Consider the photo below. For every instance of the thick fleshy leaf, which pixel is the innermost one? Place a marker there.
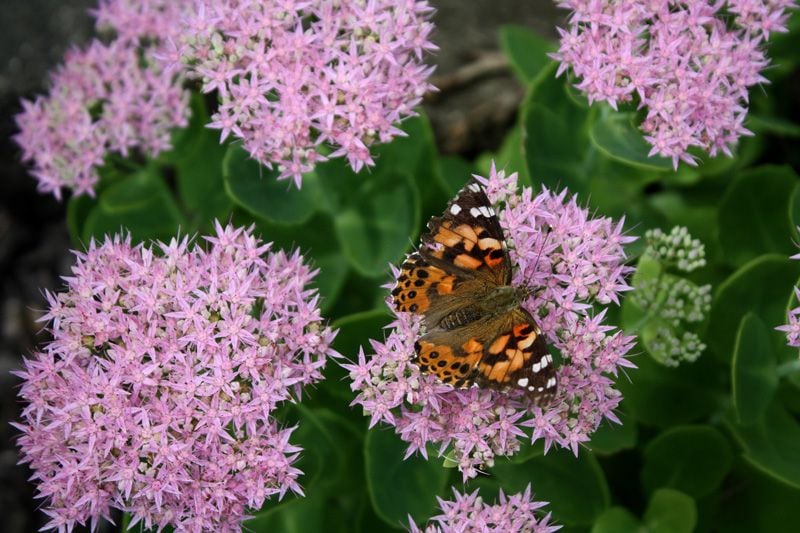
(753, 370)
(78, 210)
(330, 470)
(758, 503)
(455, 172)
(526, 51)
(670, 511)
(692, 459)
(355, 329)
(761, 287)
(257, 189)
(612, 438)
(615, 135)
(575, 486)
(662, 396)
(415, 156)
(509, 157)
(617, 520)
(316, 239)
(555, 140)
(140, 204)
(771, 443)
(197, 158)
(754, 216)
(377, 222)
(398, 487)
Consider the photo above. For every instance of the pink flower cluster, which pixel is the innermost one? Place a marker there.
(157, 391)
(575, 263)
(792, 328)
(106, 98)
(470, 514)
(690, 63)
(293, 76)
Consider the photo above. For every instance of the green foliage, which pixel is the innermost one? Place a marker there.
(575, 486)
(754, 379)
(692, 459)
(709, 446)
(397, 487)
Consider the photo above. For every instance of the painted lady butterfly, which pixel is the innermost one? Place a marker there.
(474, 330)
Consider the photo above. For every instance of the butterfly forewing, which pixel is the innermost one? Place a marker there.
(468, 236)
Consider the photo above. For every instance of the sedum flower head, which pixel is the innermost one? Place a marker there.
(672, 303)
(676, 249)
(689, 64)
(574, 262)
(470, 514)
(106, 98)
(792, 327)
(156, 394)
(293, 76)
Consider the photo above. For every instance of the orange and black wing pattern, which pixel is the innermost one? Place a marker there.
(517, 357)
(468, 236)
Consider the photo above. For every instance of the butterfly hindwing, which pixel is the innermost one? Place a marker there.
(517, 357)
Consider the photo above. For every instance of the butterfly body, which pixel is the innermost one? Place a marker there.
(475, 331)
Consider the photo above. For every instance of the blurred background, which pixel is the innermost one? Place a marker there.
(475, 107)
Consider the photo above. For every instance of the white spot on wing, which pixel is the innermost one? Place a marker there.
(474, 187)
(475, 212)
(455, 209)
(551, 383)
(522, 382)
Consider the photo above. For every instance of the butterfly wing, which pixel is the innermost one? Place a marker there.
(516, 356)
(503, 353)
(468, 237)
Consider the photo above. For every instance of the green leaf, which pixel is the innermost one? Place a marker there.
(692, 459)
(140, 204)
(258, 190)
(297, 515)
(753, 370)
(526, 51)
(317, 241)
(356, 329)
(754, 215)
(377, 222)
(648, 270)
(198, 157)
(611, 437)
(761, 287)
(661, 396)
(415, 156)
(616, 520)
(767, 124)
(400, 487)
(555, 139)
(455, 172)
(614, 134)
(509, 157)
(78, 210)
(756, 502)
(771, 444)
(670, 511)
(332, 475)
(575, 486)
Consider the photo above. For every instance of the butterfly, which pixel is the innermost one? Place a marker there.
(474, 330)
